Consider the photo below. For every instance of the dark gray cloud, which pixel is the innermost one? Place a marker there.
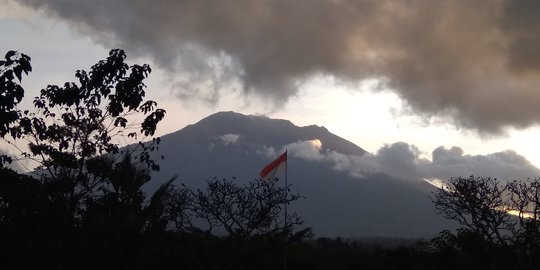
(403, 161)
(506, 165)
(399, 160)
(474, 62)
(521, 23)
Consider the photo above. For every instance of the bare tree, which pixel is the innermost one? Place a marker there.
(479, 204)
(180, 208)
(525, 201)
(255, 208)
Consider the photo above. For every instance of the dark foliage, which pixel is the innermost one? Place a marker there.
(11, 92)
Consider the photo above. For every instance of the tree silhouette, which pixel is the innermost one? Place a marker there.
(478, 204)
(119, 204)
(525, 200)
(245, 210)
(84, 198)
(501, 227)
(179, 209)
(11, 93)
(73, 126)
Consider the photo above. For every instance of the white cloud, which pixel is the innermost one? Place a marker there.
(229, 138)
(309, 150)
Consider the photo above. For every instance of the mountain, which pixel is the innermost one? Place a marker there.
(337, 203)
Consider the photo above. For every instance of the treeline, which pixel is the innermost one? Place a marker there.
(176, 229)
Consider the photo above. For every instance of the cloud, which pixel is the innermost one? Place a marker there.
(402, 161)
(229, 138)
(474, 62)
(506, 165)
(13, 10)
(309, 150)
(398, 160)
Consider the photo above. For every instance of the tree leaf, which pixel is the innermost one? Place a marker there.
(18, 71)
(10, 54)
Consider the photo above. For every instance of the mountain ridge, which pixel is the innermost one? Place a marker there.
(259, 126)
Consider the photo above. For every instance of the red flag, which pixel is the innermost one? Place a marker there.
(269, 171)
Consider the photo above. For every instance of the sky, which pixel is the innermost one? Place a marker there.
(429, 73)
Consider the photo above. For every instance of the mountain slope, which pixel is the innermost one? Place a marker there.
(229, 144)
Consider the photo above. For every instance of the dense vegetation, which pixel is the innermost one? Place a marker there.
(83, 206)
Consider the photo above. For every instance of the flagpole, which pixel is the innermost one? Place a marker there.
(285, 217)
(268, 172)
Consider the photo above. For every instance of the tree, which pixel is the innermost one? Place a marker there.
(179, 208)
(120, 205)
(77, 125)
(500, 223)
(245, 210)
(478, 204)
(524, 199)
(11, 92)
(83, 201)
